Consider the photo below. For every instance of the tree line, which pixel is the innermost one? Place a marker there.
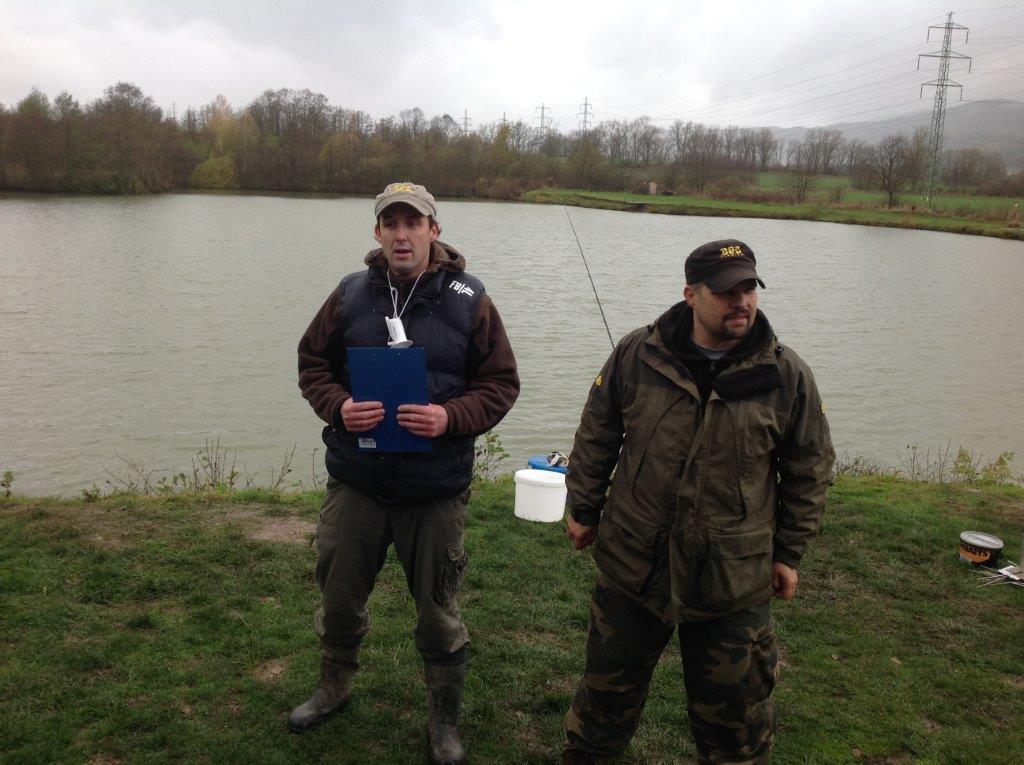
(295, 140)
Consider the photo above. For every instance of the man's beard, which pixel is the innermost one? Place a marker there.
(736, 334)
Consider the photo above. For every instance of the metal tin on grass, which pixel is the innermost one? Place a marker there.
(979, 548)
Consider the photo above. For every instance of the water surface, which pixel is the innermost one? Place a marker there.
(139, 328)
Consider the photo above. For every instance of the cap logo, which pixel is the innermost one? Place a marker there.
(401, 187)
(732, 251)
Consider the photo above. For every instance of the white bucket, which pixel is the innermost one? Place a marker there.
(540, 495)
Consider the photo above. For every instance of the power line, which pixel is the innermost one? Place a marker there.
(822, 89)
(788, 68)
(756, 109)
(466, 122)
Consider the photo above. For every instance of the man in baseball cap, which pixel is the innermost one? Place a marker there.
(414, 501)
(723, 455)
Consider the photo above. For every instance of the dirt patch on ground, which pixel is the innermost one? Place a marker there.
(267, 528)
(290, 529)
(104, 526)
(115, 526)
(106, 541)
(270, 671)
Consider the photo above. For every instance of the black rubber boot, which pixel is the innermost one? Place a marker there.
(331, 694)
(444, 695)
(576, 757)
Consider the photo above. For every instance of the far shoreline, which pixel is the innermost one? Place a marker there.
(644, 203)
(725, 208)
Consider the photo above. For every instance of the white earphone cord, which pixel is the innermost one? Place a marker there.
(394, 294)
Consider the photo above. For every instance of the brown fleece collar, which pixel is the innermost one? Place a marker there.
(441, 256)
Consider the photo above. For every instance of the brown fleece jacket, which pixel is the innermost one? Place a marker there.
(492, 378)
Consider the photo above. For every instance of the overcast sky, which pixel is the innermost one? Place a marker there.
(785, 63)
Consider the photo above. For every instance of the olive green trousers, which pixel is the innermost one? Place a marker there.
(353, 535)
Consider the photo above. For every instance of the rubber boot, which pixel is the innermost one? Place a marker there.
(444, 695)
(576, 757)
(331, 694)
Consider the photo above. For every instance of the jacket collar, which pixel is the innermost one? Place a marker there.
(657, 354)
(443, 257)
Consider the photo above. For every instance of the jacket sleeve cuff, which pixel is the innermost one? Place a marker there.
(586, 517)
(780, 555)
(336, 421)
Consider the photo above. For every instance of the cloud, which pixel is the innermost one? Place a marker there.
(724, 61)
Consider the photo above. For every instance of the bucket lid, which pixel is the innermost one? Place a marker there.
(981, 539)
(540, 477)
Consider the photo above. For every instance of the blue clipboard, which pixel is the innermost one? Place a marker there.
(392, 376)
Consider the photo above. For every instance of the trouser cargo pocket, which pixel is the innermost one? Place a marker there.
(739, 568)
(455, 561)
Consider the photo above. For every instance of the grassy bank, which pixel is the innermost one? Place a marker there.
(864, 213)
(178, 628)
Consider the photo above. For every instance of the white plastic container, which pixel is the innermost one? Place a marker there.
(540, 495)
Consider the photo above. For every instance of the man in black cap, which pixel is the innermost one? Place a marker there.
(721, 455)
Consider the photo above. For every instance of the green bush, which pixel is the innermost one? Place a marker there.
(215, 173)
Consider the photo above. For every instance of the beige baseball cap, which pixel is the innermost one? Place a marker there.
(411, 194)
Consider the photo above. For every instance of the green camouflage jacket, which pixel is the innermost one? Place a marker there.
(702, 499)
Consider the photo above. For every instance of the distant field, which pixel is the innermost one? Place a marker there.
(983, 216)
(953, 202)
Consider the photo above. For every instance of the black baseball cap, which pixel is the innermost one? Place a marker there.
(722, 264)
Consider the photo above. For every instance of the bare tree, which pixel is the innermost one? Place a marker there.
(767, 148)
(895, 165)
(68, 114)
(680, 136)
(616, 139)
(800, 167)
(728, 134)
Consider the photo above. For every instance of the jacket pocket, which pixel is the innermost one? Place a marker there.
(626, 556)
(739, 568)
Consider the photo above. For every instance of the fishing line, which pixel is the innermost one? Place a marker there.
(589, 276)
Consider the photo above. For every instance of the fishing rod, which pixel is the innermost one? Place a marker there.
(589, 276)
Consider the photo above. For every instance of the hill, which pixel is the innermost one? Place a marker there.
(985, 125)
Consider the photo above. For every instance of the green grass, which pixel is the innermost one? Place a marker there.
(961, 214)
(165, 629)
(774, 180)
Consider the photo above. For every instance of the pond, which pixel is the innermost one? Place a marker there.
(138, 329)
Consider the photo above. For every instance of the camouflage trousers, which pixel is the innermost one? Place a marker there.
(352, 540)
(729, 670)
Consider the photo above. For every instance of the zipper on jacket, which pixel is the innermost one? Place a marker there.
(706, 448)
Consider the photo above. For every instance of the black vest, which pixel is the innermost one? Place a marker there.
(438, 318)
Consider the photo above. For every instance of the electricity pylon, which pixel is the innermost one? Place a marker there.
(940, 84)
(545, 121)
(586, 114)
